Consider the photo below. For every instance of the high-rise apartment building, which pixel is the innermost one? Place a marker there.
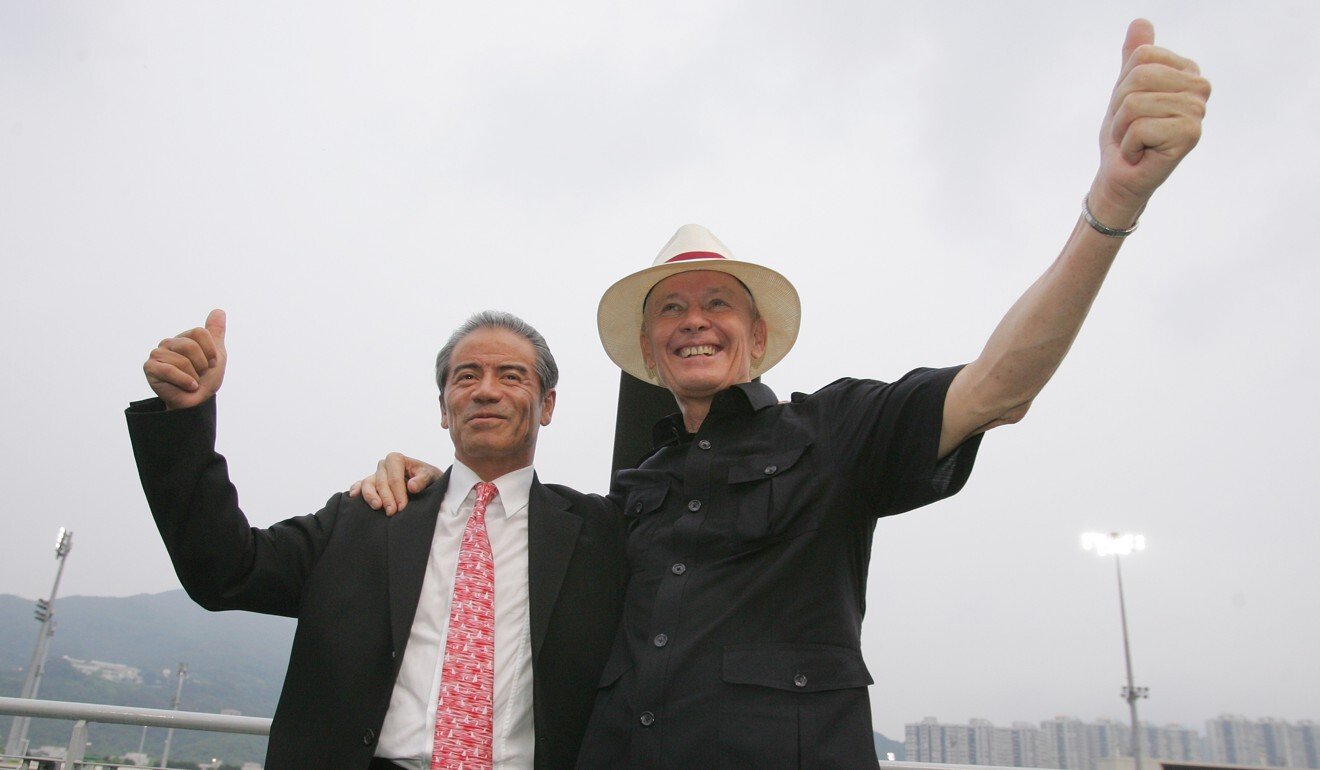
(1107, 738)
(1173, 742)
(1304, 747)
(1069, 744)
(1233, 740)
(1063, 744)
(1026, 744)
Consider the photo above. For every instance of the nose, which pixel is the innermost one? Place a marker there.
(695, 318)
(487, 390)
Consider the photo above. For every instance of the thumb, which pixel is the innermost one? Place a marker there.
(1140, 32)
(215, 324)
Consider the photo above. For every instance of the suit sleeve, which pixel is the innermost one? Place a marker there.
(222, 561)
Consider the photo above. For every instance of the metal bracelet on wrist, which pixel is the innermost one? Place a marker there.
(1095, 224)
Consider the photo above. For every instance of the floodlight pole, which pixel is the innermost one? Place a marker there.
(14, 746)
(169, 734)
(1119, 545)
(1130, 693)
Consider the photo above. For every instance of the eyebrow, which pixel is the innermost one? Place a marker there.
(470, 366)
(714, 290)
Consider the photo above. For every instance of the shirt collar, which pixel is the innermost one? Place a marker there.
(741, 398)
(515, 489)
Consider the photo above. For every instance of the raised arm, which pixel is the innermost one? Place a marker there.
(221, 560)
(1152, 122)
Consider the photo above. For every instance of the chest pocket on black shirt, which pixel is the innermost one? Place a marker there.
(639, 509)
(774, 494)
(645, 500)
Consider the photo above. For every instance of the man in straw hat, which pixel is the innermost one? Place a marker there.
(750, 525)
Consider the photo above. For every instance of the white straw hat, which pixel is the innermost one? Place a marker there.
(693, 247)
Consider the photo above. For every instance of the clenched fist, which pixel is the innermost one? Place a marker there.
(1153, 121)
(188, 368)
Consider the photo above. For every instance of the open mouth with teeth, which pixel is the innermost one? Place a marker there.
(697, 350)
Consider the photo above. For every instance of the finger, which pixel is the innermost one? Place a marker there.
(354, 489)
(397, 480)
(158, 373)
(1178, 107)
(368, 489)
(1156, 87)
(164, 365)
(1156, 105)
(421, 475)
(195, 345)
(382, 480)
(1161, 70)
(217, 323)
(1152, 58)
(1140, 32)
(209, 338)
(1158, 69)
(1171, 137)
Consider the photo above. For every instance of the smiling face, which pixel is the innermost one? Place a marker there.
(700, 334)
(492, 402)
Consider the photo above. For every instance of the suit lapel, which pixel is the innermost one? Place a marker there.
(408, 549)
(552, 532)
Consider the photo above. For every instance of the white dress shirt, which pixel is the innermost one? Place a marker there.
(407, 735)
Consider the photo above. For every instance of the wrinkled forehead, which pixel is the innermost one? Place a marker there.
(698, 283)
(493, 348)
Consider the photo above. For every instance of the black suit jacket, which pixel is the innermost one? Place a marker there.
(352, 578)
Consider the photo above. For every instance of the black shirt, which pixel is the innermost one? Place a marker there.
(749, 544)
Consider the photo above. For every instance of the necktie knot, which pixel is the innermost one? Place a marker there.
(486, 492)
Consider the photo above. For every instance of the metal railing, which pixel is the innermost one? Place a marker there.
(82, 713)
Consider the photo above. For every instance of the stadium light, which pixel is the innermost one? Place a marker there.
(1118, 545)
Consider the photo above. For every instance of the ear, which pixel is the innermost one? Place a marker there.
(759, 336)
(444, 413)
(648, 354)
(547, 408)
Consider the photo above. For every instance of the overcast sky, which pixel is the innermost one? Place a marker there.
(350, 181)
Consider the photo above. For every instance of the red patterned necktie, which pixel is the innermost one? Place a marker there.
(463, 720)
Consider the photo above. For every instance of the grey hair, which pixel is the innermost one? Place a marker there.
(547, 371)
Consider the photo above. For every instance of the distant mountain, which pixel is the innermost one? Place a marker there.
(236, 660)
(885, 746)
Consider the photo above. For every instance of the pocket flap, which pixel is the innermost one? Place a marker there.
(764, 466)
(795, 667)
(645, 500)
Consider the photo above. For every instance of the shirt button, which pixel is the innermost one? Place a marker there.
(679, 568)
(647, 719)
(661, 640)
(800, 680)
(703, 444)
(637, 508)
(694, 505)
(369, 737)
(770, 469)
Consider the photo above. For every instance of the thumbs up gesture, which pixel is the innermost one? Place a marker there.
(188, 368)
(1153, 121)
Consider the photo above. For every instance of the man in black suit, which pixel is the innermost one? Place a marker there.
(373, 594)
